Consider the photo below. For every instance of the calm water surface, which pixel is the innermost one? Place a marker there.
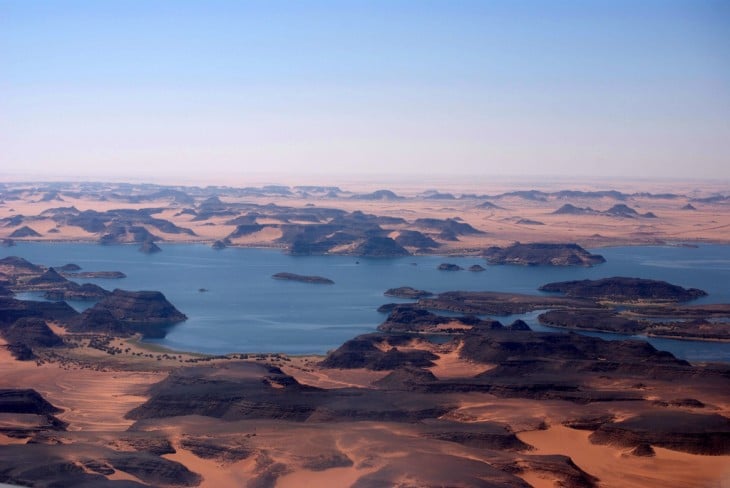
(245, 310)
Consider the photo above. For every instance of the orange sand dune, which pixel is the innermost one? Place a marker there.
(616, 468)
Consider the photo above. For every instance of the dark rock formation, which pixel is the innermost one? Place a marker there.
(99, 320)
(378, 195)
(475, 268)
(67, 268)
(413, 238)
(74, 291)
(31, 331)
(24, 231)
(622, 289)
(149, 247)
(537, 254)
(591, 319)
(410, 318)
(87, 465)
(251, 391)
(224, 449)
(245, 230)
(494, 303)
(621, 210)
(51, 277)
(12, 310)
(519, 325)
(318, 280)
(695, 433)
(129, 311)
(379, 247)
(364, 352)
(569, 209)
(489, 205)
(19, 265)
(451, 226)
(689, 206)
(143, 307)
(643, 450)
(489, 435)
(407, 292)
(25, 401)
(110, 275)
(449, 267)
(218, 245)
(407, 379)
(529, 222)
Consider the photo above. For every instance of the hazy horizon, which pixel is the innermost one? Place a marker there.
(224, 90)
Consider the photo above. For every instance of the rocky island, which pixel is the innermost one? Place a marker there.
(317, 280)
(541, 254)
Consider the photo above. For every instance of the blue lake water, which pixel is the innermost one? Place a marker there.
(245, 310)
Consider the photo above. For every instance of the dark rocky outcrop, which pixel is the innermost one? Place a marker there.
(70, 267)
(50, 277)
(489, 205)
(367, 351)
(495, 303)
(245, 230)
(318, 280)
(87, 465)
(591, 319)
(109, 275)
(224, 449)
(570, 209)
(32, 332)
(407, 292)
(218, 245)
(413, 238)
(127, 312)
(37, 414)
(149, 247)
(622, 210)
(449, 267)
(528, 222)
(622, 289)
(451, 226)
(695, 433)
(488, 435)
(379, 247)
(74, 291)
(643, 450)
(378, 195)
(542, 254)
(25, 401)
(99, 320)
(23, 232)
(141, 307)
(11, 310)
(475, 268)
(19, 265)
(247, 391)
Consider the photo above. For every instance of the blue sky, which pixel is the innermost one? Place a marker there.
(586, 88)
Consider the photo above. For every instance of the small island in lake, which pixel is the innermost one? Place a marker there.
(542, 254)
(317, 280)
